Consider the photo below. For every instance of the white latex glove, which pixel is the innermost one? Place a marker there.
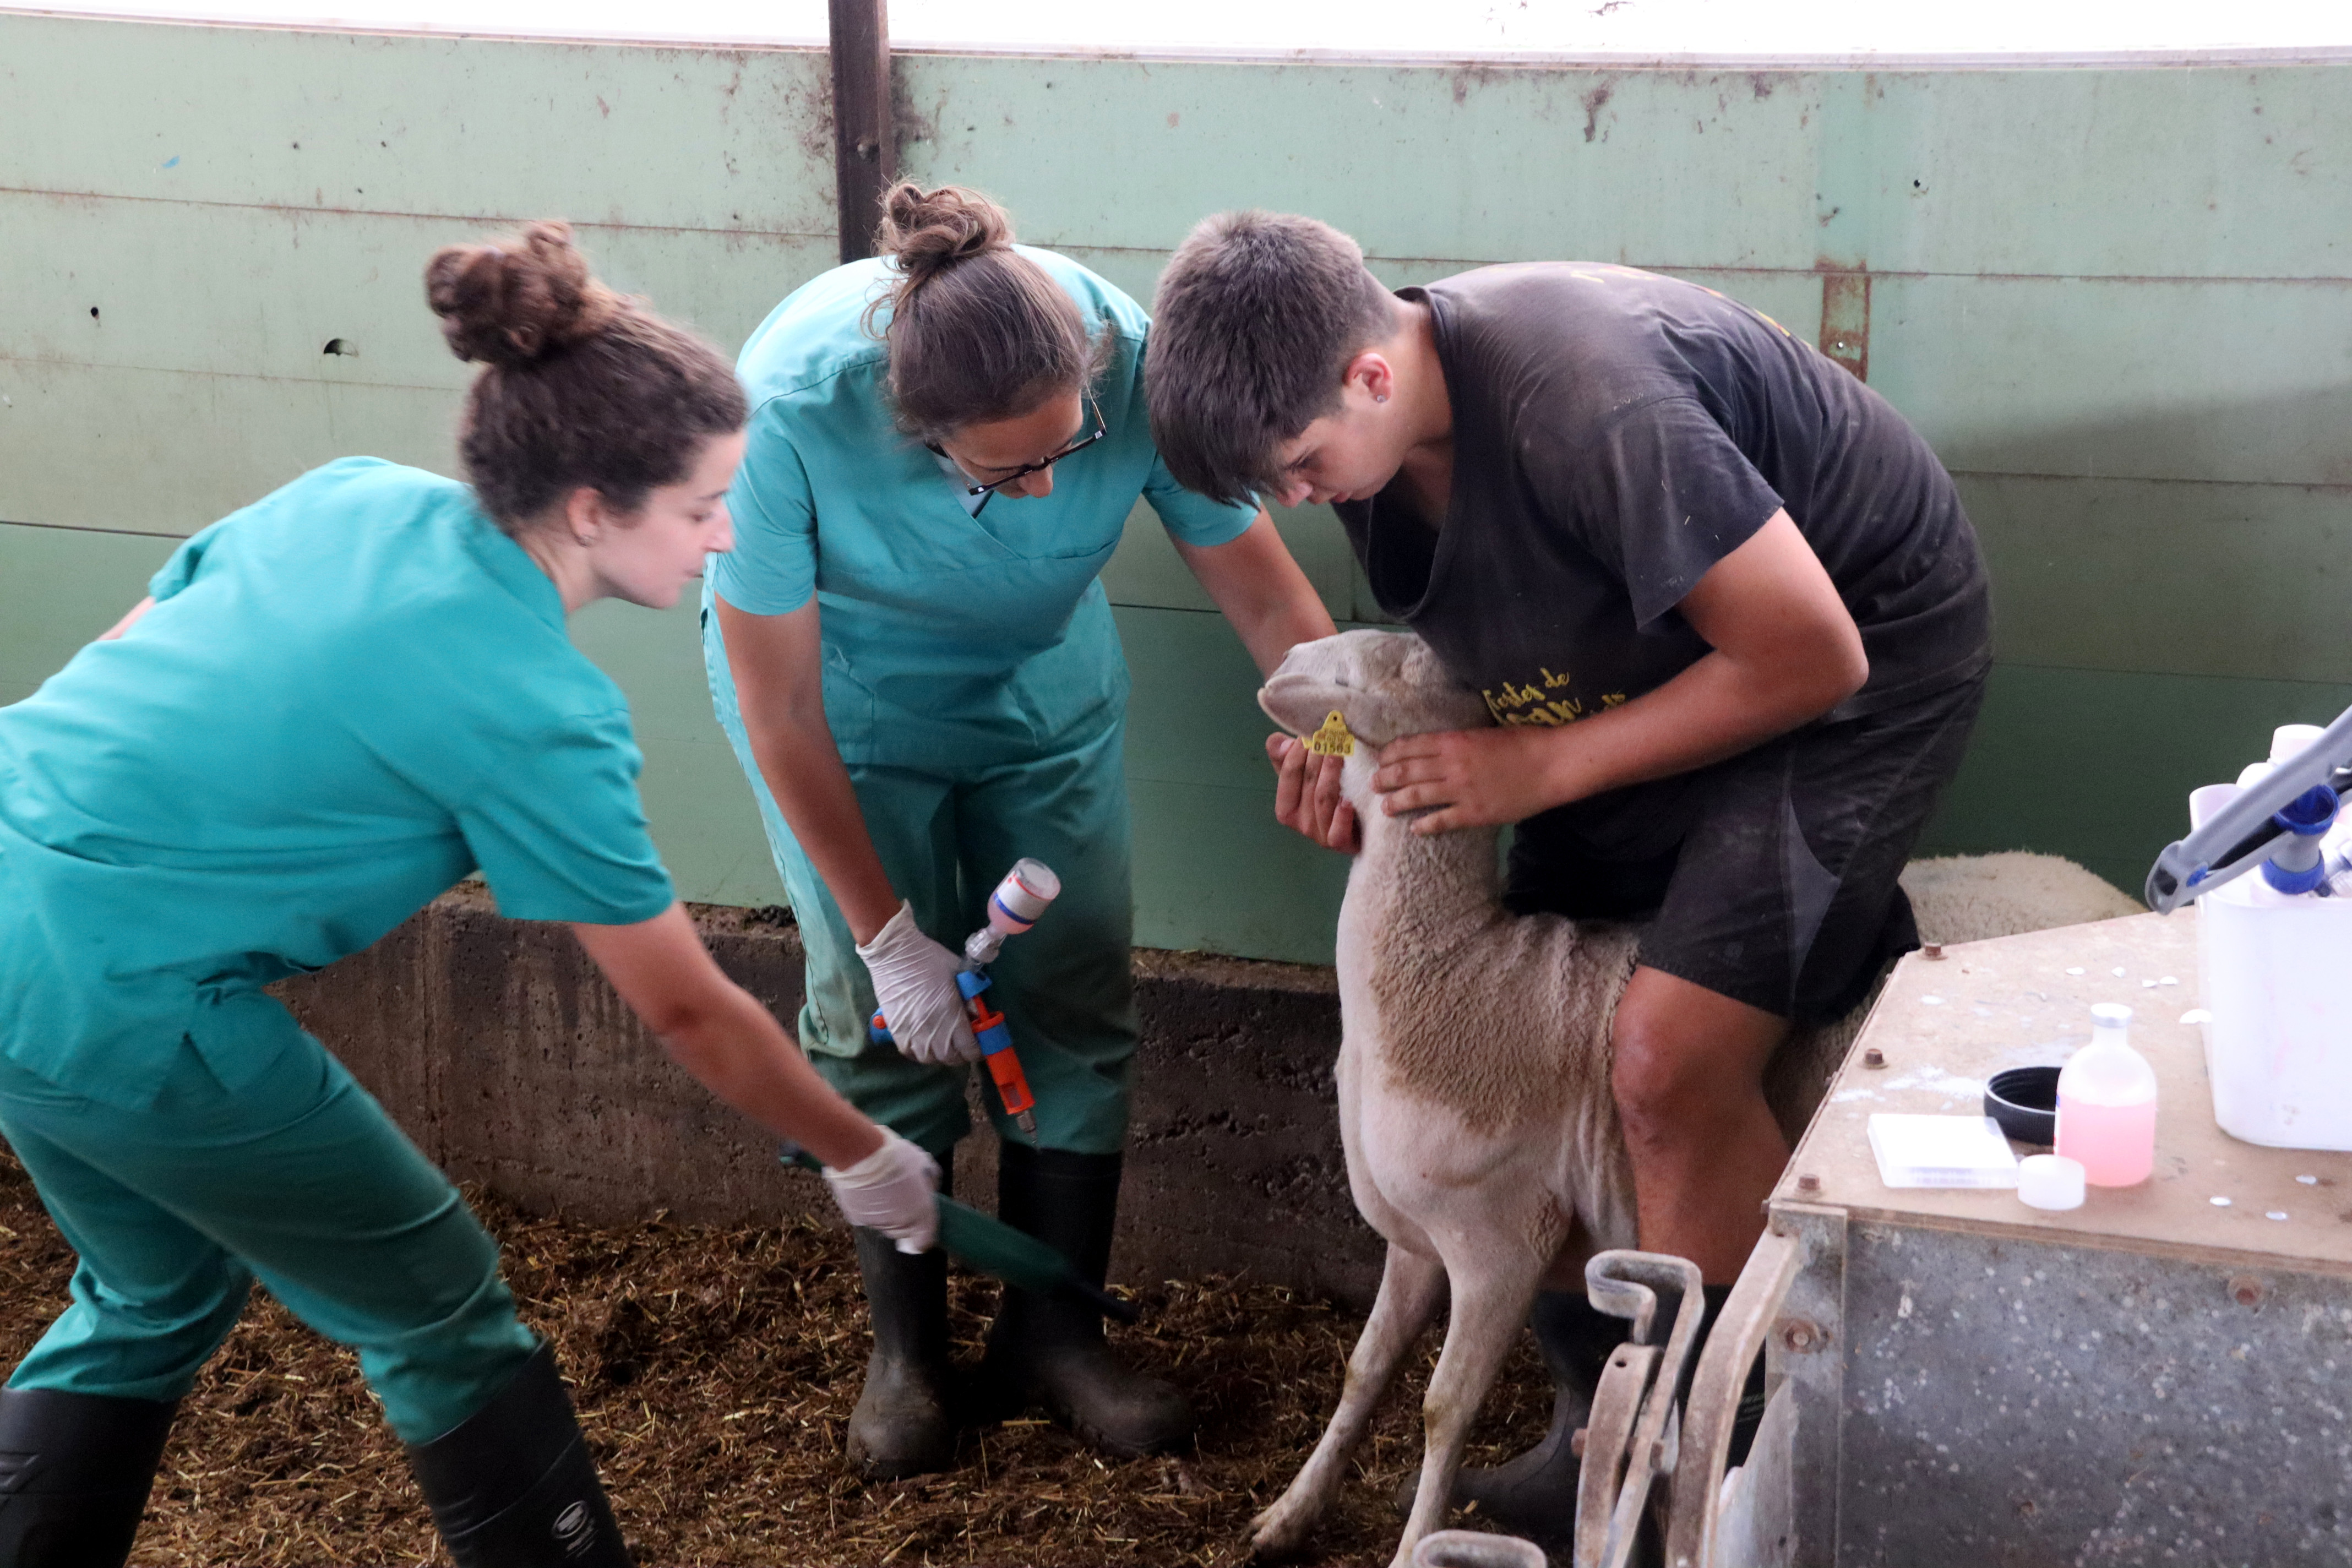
(914, 985)
(891, 1190)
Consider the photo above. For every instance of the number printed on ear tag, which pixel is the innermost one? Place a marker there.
(1333, 739)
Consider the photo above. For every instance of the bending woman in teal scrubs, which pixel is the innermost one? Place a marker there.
(336, 703)
(918, 667)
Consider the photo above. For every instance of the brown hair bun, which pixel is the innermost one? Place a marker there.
(511, 302)
(927, 232)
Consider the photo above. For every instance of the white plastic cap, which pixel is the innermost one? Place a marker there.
(2109, 1015)
(2050, 1182)
(2289, 739)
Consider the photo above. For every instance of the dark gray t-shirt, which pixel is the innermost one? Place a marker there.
(1615, 435)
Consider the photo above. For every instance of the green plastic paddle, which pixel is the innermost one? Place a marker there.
(988, 1244)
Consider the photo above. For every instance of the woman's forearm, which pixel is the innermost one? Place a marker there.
(777, 665)
(803, 772)
(1262, 592)
(719, 1033)
(741, 1054)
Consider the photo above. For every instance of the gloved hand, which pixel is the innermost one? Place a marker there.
(914, 983)
(892, 1191)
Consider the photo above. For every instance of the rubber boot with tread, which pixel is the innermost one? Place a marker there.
(1051, 1348)
(904, 1424)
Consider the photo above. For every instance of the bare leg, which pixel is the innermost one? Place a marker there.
(1410, 1288)
(1689, 1080)
(1484, 1321)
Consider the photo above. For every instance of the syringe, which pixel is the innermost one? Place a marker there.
(1012, 908)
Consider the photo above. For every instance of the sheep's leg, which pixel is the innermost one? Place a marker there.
(1488, 1307)
(1410, 1287)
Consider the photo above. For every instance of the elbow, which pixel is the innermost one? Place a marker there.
(1852, 670)
(1833, 672)
(672, 1022)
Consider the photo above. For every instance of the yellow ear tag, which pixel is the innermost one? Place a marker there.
(1333, 739)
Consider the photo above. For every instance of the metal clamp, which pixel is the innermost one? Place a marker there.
(1634, 1433)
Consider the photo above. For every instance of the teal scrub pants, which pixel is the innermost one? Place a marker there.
(1065, 986)
(299, 1180)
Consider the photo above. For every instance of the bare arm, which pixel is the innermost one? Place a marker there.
(1785, 651)
(1273, 608)
(714, 1030)
(1263, 596)
(777, 663)
(127, 622)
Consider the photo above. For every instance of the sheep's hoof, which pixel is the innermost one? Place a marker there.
(1279, 1532)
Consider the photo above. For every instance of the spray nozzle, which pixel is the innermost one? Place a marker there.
(2296, 866)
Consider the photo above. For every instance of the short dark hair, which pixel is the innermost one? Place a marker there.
(978, 331)
(579, 386)
(1255, 320)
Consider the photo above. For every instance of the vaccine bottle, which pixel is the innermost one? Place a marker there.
(1012, 909)
(2106, 1104)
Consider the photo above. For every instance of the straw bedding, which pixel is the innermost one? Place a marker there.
(714, 1369)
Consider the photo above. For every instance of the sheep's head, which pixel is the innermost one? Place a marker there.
(1381, 684)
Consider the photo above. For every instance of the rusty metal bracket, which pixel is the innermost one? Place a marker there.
(1753, 1311)
(1845, 324)
(1635, 1433)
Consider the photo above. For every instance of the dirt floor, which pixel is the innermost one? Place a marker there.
(714, 1369)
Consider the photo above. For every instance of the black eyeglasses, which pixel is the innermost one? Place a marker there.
(1080, 445)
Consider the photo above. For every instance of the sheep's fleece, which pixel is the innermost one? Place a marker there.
(1473, 1070)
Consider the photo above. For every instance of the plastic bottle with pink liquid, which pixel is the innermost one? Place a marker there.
(2106, 1104)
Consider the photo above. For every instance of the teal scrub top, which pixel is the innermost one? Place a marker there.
(347, 697)
(946, 636)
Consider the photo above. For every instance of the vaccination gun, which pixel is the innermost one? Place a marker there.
(1012, 908)
(2276, 822)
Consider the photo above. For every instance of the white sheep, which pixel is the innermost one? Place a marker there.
(1474, 1072)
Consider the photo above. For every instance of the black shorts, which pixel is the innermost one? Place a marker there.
(1769, 878)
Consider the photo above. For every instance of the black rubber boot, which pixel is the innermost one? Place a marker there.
(1534, 1495)
(1051, 1348)
(512, 1485)
(75, 1471)
(903, 1424)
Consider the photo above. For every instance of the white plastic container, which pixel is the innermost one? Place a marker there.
(2278, 1046)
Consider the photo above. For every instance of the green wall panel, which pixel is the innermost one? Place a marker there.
(479, 129)
(2119, 303)
(58, 589)
(2169, 577)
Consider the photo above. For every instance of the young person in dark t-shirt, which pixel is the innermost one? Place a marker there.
(1721, 600)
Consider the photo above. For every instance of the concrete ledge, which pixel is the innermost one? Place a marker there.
(502, 1052)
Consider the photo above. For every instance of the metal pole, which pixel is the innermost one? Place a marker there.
(864, 150)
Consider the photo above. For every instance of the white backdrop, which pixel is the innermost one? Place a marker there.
(1626, 31)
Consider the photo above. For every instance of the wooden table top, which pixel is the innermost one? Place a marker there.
(1946, 1024)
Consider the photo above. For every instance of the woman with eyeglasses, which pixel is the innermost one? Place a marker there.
(911, 651)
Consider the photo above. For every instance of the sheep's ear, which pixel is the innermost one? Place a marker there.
(1304, 705)
(1300, 703)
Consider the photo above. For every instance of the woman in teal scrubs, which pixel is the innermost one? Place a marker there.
(336, 703)
(918, 670)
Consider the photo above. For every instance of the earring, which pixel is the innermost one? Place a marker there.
(1379, 397)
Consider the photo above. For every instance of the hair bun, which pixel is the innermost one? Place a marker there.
(928, 231)
(514, 301)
